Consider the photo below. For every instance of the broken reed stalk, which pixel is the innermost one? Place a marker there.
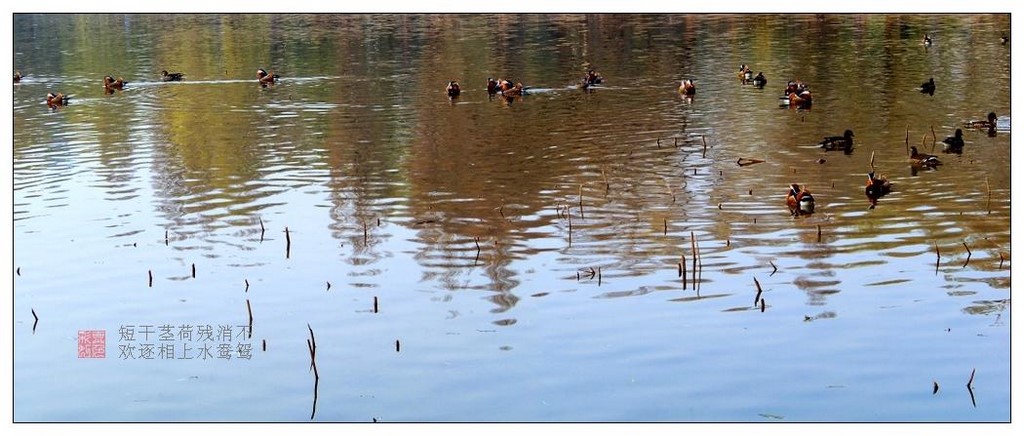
(264, 345)
(288, 244)
(263, 230)
(700, 266)
(311, 343)
(693, 249)
(607, 186)
(312, 347)
(774, 268)
(762, 305)
(819, 232)
(665, 222)
(374, 304)
(906, 141)
(970, 382)
(328, 285)
(659, 142)
(581, 201)
(193, 270)
(151, 278)
(988, 204)
(167, 239)
(758, 296)
(249, 308)
(36, 322)
(870, 162)
(569, 217)
(937, 256)
(599, 276)
(968, 254)
(398, 346)
(705, 152)
(246, 285)
(682, 269)
(366, 235)
(934, 139)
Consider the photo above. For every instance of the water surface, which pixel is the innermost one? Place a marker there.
(525, 254)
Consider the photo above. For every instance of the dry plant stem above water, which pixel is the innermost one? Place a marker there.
(249, 308)
(758, 296)
(288, 244)
(311, 343)
(968, 254)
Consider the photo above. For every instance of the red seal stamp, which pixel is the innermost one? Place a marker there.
(92, 344)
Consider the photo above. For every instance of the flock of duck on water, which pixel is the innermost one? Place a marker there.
(111, 85)
(799, 199)
(509, 89)
(796, 95)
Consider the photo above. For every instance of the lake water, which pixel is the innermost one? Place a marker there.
(486, 259)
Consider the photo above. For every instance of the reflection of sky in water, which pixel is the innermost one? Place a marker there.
(456, 215)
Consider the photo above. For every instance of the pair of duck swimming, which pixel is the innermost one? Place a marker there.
(262, 77)
(797, 95)
(746, 75)
(801, 202)
(590, 79)
(504, 87)
(686, 87)
(952, 144)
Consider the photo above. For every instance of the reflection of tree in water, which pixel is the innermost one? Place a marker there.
(987, 307)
